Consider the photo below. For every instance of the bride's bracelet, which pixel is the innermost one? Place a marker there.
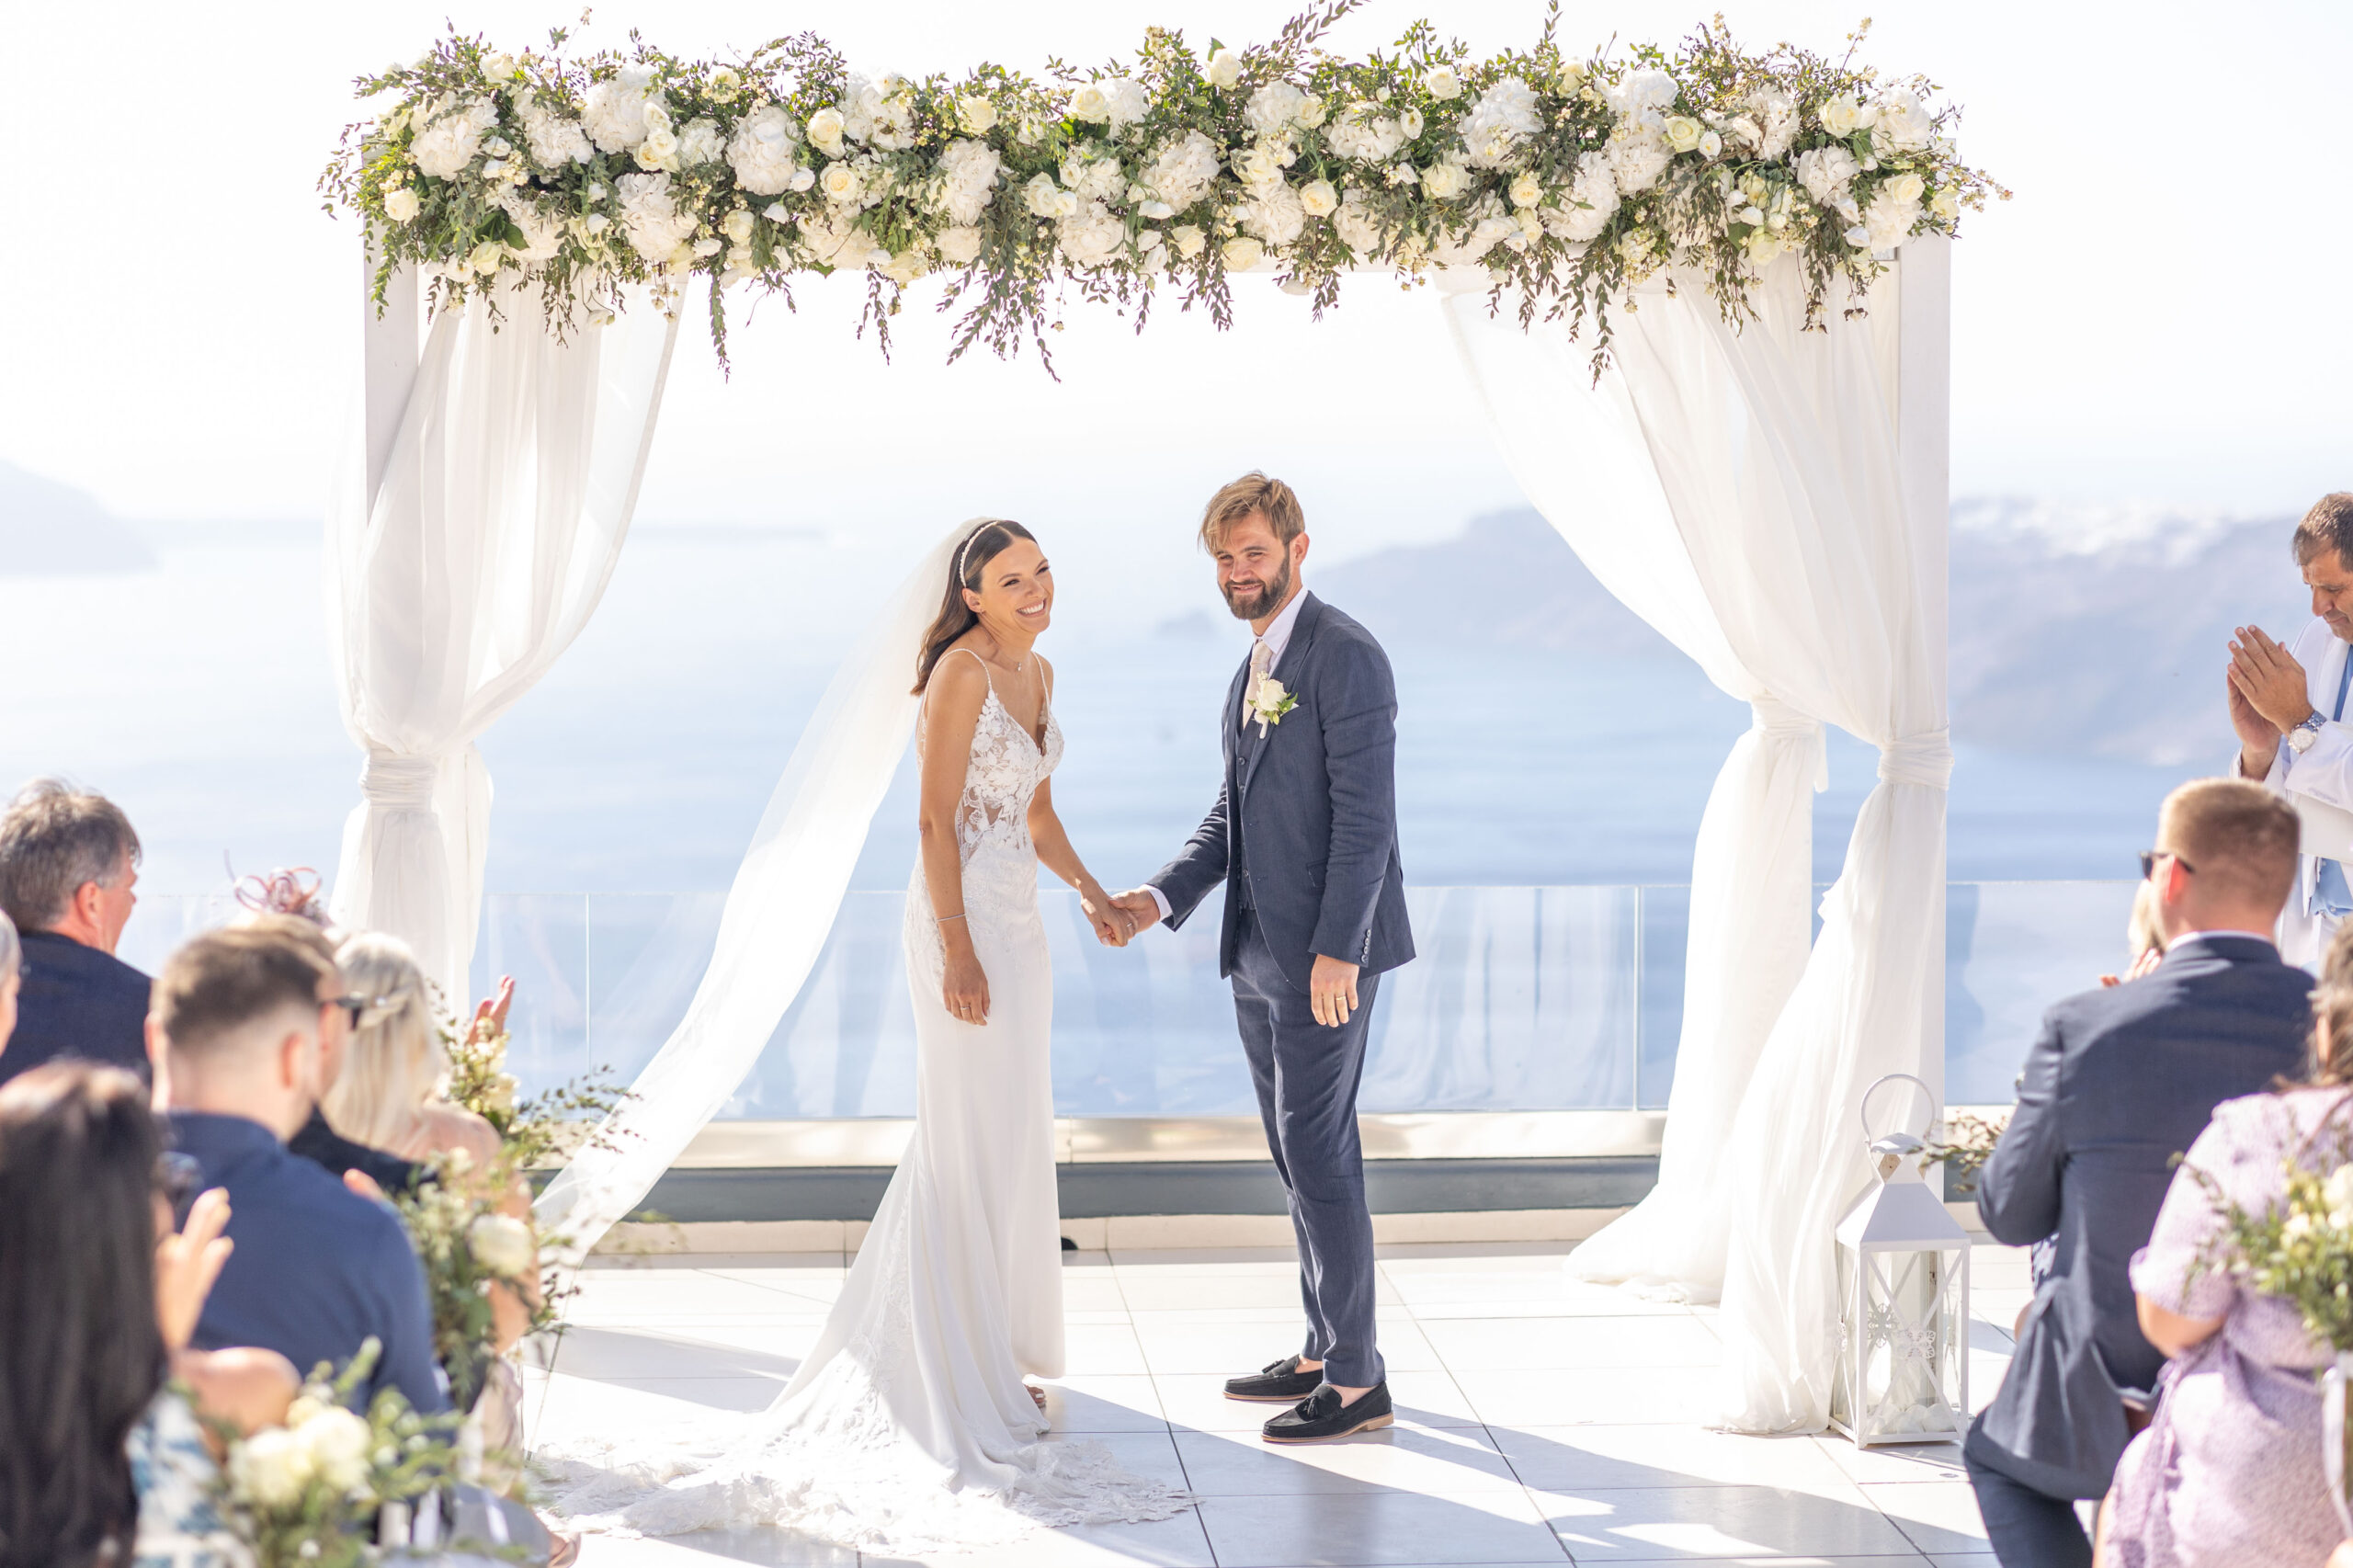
(943, 919)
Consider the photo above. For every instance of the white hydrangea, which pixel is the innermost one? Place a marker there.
(969, 172)
(453, 137)
(1471, 248)
(1363, 133)
(881, 113)
(1777, 117)
(1889, 217)
(835, 238)
(1275, 212)
(861, 103)
(542, 231)
(701, 143)
(1505, 113)
(1274, 108)
(553, 140)
(650, 216)
(1904, 122)
(614, 111)
(1824, 171)
(1357, 226)
(1638, 155)
(1179, 174)
(1242, 253)
(960, 244)
(1128, 102)
(271, 1468)
(1092, 236)
(765, 151)
(1093, 175)
(1644, 96)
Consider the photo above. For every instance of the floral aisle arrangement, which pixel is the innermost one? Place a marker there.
(536, 1132)
(1567, 178)
(305, 1494)
(469, 1250)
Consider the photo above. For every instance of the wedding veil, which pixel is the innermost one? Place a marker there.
(777, 915)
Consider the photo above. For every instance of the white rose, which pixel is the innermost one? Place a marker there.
(724, 81)
(2337, 1193)
(737, 225)
(1318, 198)
(1526, 190)
(1041, 194)
(839, 182)
(1858, 236)
(401, 204)
(1446, 181)
(595, 222)
(960, 244)
(1089, 104)
(1242, 253)
(1945, 205)
(1840, 114)
(903, 268)
(1223, 69)
(658, 151)
(1444, 83)
(270, 1469)
(1682, 132)
(825, 132)
(487, 257)
(1189, 239)
(1711, 145)
(1907, 187)
(338, 1444)
(976, 114)
(803, 178)
(1411, 122)
(499, 67)
(1257, 165)
(1312, 110)
(708, 245)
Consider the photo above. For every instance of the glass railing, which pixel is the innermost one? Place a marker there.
(1554, 998)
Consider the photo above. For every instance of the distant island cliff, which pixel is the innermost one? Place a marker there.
(47, 528)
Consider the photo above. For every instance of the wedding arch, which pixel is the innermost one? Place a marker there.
(1703, 294)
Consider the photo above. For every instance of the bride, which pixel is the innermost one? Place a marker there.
(909, 1426)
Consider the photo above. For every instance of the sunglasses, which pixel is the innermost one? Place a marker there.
(2149, 859)
(357, 1005)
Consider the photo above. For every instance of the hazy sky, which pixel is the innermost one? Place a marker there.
(2160, 314)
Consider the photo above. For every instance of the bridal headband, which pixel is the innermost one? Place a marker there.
(966, 548)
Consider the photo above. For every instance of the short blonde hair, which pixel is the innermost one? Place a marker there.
(2142, 932)
(2236, 837)
(396, 1061)
(1253, 492)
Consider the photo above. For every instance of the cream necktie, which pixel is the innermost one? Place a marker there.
(1260, 660)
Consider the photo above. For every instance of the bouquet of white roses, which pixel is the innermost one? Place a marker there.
(305, 1494)
(468, 1250)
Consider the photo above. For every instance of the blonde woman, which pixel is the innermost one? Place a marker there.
(388, 1093)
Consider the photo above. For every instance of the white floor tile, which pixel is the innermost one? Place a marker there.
(1716, 1522)
(1610, 1458)
(1113, 1403)
(1625, 1396)
(1383, 1528)
(1479, 1344)
(772, 1350)
(1163, 1543)
(1096, 1349)
(1894, 1462)
(1935, 1515)
(713, 1548)
(1396, 1459)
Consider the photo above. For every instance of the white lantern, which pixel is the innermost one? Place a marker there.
(1903, 1302)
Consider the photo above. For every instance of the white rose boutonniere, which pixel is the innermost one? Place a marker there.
(1269, 701)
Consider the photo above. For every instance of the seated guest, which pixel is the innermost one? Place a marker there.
(318, 1141)
(2229, 1471)
(317, 1269)
(105, 1461)
(11, 977)
(68, 865)
(388, 1093)
(2120, 1081)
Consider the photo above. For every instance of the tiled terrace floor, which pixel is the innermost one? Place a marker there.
(1540, 1420)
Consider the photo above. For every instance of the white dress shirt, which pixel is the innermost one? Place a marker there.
(1277, 637)
(2325, 772)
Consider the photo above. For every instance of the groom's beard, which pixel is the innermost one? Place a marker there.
(1248, 605)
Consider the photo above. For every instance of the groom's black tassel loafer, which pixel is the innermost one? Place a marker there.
(1281, 1383)
(1320, 1417)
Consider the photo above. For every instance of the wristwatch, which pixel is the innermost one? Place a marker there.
(2302, 736)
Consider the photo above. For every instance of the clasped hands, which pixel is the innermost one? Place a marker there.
(1331, 988)
(2268, 693)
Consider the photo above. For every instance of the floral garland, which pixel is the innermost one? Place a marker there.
(1568, 180)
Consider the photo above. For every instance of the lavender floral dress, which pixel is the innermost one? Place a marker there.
(2229, 1472)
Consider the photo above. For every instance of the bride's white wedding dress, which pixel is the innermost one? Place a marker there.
(908, 1427)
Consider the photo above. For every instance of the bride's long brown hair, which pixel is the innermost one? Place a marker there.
(956, 618)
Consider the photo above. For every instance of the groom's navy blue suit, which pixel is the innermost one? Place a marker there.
(1304, 832)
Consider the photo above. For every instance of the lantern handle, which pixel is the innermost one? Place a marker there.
(1936, 1110)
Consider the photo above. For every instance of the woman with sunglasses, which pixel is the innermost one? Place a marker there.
(105, 1456)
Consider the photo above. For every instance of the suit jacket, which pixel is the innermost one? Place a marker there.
(2121, 1081)
(77, 1002)
(1306, 816)
(333, 1152)
(2325, 773)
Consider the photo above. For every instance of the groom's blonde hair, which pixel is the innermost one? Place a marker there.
(1253, 492)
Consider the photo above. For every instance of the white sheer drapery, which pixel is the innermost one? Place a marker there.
(780, 911)
(1742, 490)
(456, 583)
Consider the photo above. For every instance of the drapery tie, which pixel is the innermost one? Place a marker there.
(401, 783)
(1918, 759)
(1776, 720)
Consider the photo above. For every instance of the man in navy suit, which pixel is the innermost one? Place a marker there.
(69, 866)
(2121, 1081)
(1303, 837)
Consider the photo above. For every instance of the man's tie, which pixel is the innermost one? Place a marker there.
(2332, 895)
(1260, 660)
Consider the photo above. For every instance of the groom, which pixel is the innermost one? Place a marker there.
(1305, 836)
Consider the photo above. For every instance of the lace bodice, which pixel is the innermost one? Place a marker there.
(1007, 765)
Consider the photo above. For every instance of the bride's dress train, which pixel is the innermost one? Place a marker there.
(908, 1427)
